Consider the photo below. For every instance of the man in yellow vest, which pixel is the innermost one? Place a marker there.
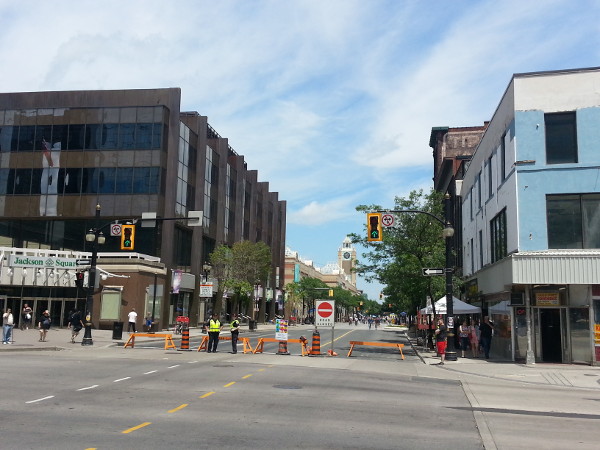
(214, 328)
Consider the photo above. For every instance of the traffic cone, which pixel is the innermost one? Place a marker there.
(316, 344)
(283, 348)
(185, 340)
(331, 353)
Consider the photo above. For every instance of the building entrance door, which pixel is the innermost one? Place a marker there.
(551, 334)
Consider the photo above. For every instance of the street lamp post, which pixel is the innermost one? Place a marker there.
(448, 232)
(95, 237)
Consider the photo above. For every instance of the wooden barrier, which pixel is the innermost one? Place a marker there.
(246, 341)
(261, 343)
(168, 339)
(376, 344)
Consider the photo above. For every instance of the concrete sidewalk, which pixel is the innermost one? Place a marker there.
(567, 375)
(60, 338)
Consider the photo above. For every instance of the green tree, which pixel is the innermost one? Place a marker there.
(413, 243)
(238, 269)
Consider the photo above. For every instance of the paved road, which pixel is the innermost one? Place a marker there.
(157, 400)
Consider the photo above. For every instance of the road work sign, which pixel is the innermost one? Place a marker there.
(325, 313)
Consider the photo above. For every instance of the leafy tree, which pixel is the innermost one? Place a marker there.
(413, 243)
(238, 269)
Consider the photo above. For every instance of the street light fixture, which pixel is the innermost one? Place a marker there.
(448, 233)
(95, 237)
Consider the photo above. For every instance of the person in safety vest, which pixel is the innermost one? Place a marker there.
(214, 328)
(235, 332)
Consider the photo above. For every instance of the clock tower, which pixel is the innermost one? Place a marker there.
(347, 259)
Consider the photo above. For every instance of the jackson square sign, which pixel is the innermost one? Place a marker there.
(45, 262)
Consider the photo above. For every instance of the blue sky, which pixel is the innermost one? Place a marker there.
(332, 101)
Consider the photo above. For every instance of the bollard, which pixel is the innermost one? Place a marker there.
(185, 339)
(283, 348)
(316, 344)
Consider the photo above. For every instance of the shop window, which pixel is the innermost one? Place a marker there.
(110, 308)
(572, 221)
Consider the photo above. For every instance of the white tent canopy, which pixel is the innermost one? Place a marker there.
(460, 307)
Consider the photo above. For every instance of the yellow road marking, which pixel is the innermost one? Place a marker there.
(141, 425)
(208, 394)
(246, 376)
(229, 384)
(327, 343)
(261, 370)
(178, 408)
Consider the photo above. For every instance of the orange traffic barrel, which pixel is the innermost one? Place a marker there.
(283, 348)
(316, 344)
(185, 339)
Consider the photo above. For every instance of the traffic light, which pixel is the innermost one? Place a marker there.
(79, 276)
(331, 292)
(127, 237)
(374, 232)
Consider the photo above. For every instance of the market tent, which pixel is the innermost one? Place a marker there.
(460, 307)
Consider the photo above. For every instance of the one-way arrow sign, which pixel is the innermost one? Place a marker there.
(432, 272)
(83, 262)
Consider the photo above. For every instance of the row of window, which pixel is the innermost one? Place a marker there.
(572, 222)
(98, 180)
(107, 136)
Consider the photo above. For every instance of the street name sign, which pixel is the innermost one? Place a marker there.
(324, 316)
(433, 272)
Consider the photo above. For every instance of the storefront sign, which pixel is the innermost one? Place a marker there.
(42, 262)
(547, 299)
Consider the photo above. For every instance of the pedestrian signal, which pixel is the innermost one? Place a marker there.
(127, 237)
(79, 276)
(374, 232)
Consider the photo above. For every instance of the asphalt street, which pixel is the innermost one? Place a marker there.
(105, 396)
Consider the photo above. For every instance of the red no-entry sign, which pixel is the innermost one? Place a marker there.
(324, 316)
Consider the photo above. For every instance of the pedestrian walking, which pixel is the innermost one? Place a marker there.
(26, 317)
(44, 325)
(487, 331)
(214, 328)
(463, 333)
(75, 324)
(474, 337)
(235, 333)
(132, 318)
(7, 327)
(441, 340)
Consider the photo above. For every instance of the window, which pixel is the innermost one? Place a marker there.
(490, 178)
(503, 158)
(561, 138)
(479, 190)
(572, 221)
(498, 245)
(480, 248)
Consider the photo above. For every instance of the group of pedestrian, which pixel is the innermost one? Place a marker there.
(474, 336)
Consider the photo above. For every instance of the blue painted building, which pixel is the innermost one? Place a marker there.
(531, 219)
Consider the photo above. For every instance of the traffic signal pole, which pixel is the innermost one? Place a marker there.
(447, 232)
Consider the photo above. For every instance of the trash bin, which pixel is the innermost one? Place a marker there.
(252, 325)
(117, 331)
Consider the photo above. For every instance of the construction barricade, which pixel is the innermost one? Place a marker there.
(261, 342)
(376, 344)
(244, 340)
(168, 339)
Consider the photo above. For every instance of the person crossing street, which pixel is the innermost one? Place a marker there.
(214, 328)
(235, 332)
